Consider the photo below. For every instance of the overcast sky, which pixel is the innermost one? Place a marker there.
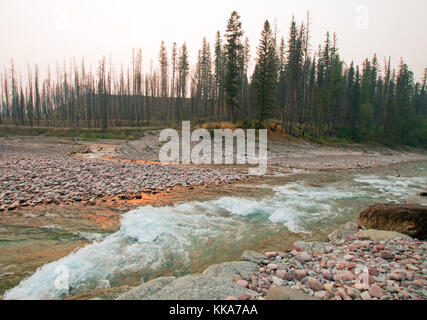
(49, 31)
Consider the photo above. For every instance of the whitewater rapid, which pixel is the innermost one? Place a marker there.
(153, 238)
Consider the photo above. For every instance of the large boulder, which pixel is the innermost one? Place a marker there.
(403, 218)
(253, 256)
(197, 287)
(147, 289)
(229, 270)
(216, 283)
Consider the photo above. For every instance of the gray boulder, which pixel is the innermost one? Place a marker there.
(198, 287)
(252, 256)
(316, 247)
(147, 289)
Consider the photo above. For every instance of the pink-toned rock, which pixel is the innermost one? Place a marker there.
(281, 274)
(242, 283)
(361, 286)
(315, 284)
(329, 287)
(297, 248)
(376, 291)
(323, 263)
(419, 283)
(380, 246)
(348, 257)
(397, 276)
(270, 255)
(300, 274)
(272, 266)
(412, 268)
(330, 264)
(237, 278)
(409, 276)
(373, 271)
(327, 275)
(345, 275)
(365, 296)
(387, 255)
(321, 294)
(244, 297)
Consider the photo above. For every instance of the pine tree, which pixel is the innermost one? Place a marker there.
(219, 75)
(233, 49)
(163, 60)
(265, 76)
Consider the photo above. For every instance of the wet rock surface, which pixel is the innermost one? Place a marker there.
(403, 218)
(211, 285)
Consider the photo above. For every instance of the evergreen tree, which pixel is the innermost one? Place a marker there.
(265, 76)
(233, 49)
(163, 60)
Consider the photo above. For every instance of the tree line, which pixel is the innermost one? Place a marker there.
(309, 93)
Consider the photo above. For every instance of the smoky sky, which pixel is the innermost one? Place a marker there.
(51, 31)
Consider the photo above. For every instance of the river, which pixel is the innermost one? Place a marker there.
(189, 236)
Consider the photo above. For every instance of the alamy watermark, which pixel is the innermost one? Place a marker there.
(222, 151)
(361, 21)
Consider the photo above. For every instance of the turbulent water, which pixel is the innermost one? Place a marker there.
(180, 239)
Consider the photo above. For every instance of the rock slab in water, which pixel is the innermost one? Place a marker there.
(197, 287)
(403, 218)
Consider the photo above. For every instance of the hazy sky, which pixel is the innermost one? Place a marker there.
(49, 31)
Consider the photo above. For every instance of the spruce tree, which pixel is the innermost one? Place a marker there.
(233, 49)
(265, 76)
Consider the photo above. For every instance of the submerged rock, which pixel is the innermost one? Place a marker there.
(403, 218)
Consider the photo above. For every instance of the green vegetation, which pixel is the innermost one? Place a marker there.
(311, 92)
(83, 134)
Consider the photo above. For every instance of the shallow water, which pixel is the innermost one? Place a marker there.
(187, 237)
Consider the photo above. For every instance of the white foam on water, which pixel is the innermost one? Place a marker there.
(148, 237)
(240, 206)
(90, 236)
(391, 187)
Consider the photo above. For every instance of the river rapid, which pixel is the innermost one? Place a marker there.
(189, 236)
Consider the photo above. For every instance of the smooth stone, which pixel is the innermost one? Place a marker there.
(300, 274)
(365, 295)
(376, 291)
(277, 281)
(315, 284)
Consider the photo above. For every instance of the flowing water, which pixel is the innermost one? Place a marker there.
(188, 236)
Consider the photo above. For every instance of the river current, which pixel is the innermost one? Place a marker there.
(189, 236)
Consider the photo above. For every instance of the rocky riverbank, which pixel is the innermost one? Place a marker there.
(29, 179)
(355, 264)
